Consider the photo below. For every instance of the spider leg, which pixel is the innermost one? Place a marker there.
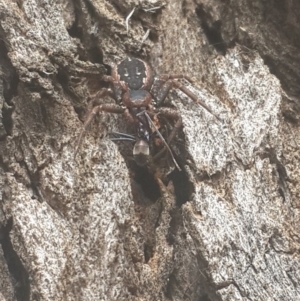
(117, 136)
(94, 100)
(123, 135)
(162, 138)
(192, 96)
(172, 114)
(110, 108)
(163, 85)
(167, 77)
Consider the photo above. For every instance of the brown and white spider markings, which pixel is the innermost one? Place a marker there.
(140, 97)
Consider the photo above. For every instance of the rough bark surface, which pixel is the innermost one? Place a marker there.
(96, 227)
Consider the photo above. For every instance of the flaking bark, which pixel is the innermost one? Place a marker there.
(97, 227)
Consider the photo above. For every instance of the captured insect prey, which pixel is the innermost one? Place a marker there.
(141, 150)
(140, 97)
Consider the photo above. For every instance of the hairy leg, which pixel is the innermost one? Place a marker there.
(111, 108)
(163, 85)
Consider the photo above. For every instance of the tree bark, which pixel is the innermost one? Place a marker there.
(97, 227)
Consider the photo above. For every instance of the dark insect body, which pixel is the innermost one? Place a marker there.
(140, 97)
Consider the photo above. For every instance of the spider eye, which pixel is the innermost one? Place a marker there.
(137, 71)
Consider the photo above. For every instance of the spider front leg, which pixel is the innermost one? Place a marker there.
(110, 108)
(165, 83)
(94, 100)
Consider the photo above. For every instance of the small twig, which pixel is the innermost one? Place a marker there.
(152, 9)
(128, 18)
(145, 36)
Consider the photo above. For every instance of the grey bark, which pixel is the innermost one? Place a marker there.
(98, 228)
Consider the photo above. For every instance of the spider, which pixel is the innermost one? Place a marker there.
(140, 97)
